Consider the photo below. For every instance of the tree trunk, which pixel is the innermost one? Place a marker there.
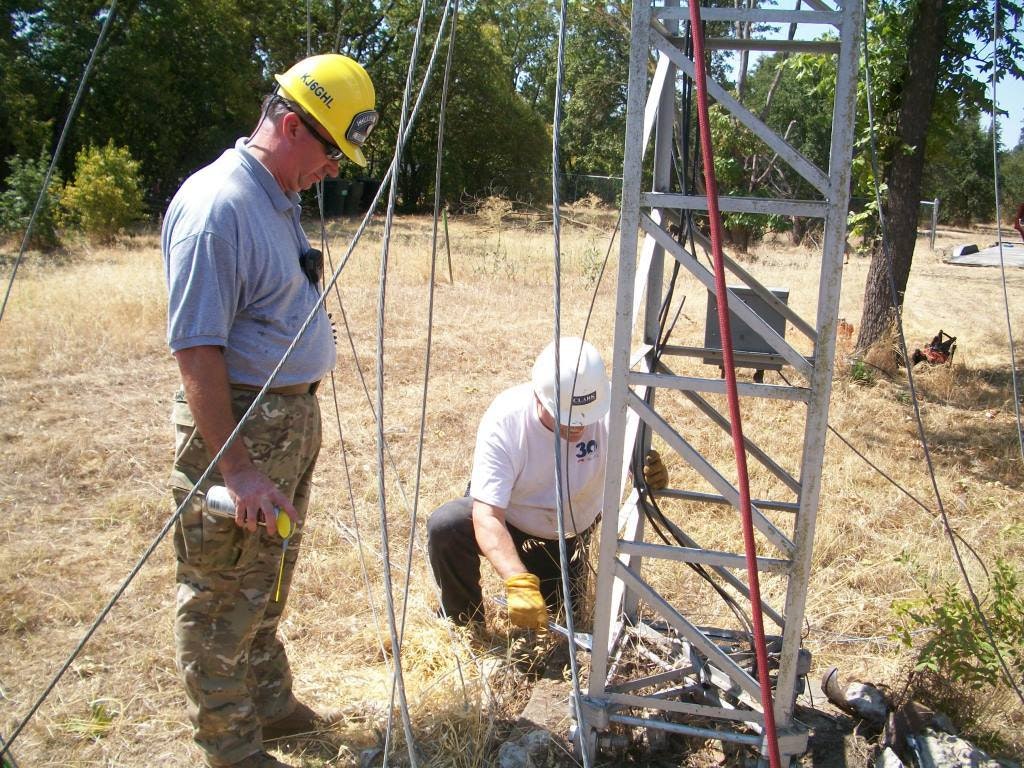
(925, 40)
(798, 230)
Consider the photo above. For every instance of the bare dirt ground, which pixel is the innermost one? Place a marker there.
(85, 388)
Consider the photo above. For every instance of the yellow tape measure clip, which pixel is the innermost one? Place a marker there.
(284, 530)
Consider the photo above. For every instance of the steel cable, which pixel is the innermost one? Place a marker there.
(364, 570)
(556, 227)
(334, 394)
(53, 163)
(894, 297)
(398, 683)
(999, 227)
(451, 8)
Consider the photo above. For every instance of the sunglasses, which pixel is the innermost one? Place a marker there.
(333, 153)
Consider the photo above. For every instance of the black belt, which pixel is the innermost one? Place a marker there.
(290, 389)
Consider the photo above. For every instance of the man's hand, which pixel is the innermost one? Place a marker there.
(255, 496)
(204, 375)
(526, 606)
(655, 473)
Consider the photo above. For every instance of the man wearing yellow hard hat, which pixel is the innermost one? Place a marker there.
(242, 279)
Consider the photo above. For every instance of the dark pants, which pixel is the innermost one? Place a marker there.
(455, 560)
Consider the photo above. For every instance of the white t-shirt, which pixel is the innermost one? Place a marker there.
(514, 470)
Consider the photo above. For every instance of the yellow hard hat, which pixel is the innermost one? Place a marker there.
(338, 93)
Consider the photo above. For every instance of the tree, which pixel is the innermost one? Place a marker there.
(528, 30)
(178, 110)
(175, 82)
(958, 172)
(22, 131)
(1011, 183)
(18, 201)
(495, 140)
(494, 137)
(596, 74)
(922, 54)
(793, 95)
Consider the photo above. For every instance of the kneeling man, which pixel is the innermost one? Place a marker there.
(509, 514)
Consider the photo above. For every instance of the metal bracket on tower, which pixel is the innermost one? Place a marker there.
(672, 648)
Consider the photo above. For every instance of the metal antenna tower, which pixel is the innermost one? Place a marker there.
(672, 654)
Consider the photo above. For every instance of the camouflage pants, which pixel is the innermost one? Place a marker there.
(233, 665)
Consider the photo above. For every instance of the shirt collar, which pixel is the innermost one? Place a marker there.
(281, 201)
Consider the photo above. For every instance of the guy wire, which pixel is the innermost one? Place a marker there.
(910, 374)
(999, 226)
(559, 480)
(53, 161)
(398, 684)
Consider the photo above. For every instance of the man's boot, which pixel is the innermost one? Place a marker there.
(301, 721)
(256, 760)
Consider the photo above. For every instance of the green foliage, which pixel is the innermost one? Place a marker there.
(102, 714)
(957, 645)
(106, 196)
(528, 30)
(495, 143)
(1011, 182)
(175, 82)
(178, 82)
(862, 373)
(18, 200)
(957, 165)
(863, 223)
(596, 74)
(793, 95)
(592, 264)
(958, 171)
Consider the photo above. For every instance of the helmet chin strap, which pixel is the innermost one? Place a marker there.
(543, 415)
(264, 110)
(548, 419)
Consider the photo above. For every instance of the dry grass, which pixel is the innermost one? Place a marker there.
(86, 386)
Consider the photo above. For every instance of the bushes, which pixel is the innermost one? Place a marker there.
(19, 199)
(958, 645)
(106, 195)
(959, 660)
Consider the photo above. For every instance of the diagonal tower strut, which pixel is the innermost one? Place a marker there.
(657, 664)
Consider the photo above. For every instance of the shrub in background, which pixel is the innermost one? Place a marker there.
(958, 645)
(106, 195)
(18, 199)
(958, 669)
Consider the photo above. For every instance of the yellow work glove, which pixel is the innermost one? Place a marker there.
(655, 474)
(526, 606)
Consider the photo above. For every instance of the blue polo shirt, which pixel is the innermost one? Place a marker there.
(231, 242)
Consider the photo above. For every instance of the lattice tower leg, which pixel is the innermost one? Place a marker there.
(700, 681)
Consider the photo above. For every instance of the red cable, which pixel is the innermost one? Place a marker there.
(725, 332)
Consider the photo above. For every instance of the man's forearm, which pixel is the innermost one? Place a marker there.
(495, 541)
(204, 376)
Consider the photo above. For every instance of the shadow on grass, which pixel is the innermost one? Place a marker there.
(35, 260)
(958, 386)
(991, 451)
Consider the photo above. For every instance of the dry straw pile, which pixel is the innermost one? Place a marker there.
(85, 448)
